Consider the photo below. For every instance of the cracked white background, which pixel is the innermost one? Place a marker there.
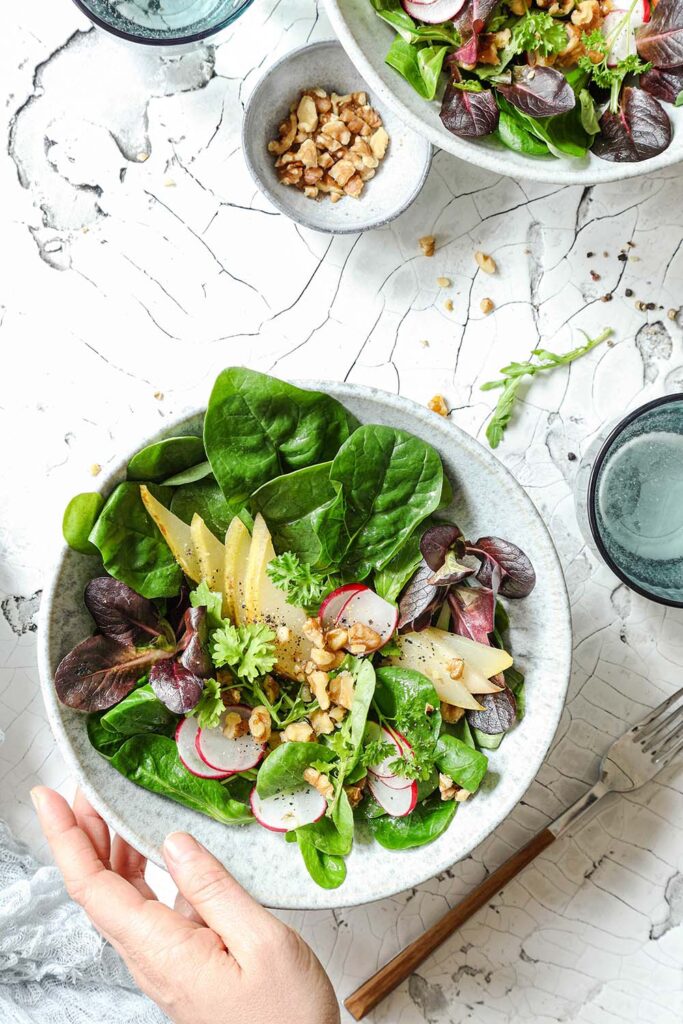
(137, 259)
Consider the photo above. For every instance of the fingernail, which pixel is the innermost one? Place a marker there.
(180, 846)
(36, 797)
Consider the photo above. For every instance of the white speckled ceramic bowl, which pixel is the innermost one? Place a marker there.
(366, 39)
(487, 500)
(399, 178)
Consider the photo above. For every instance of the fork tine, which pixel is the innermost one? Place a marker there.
(650, 721)
(664, 729)
(666, 755)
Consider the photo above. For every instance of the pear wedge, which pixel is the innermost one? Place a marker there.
(237, 547)
(175, 532)
(210, 553)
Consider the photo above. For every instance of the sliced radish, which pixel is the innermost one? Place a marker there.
(624, 43)
(397, 802)
(381, 770)
(286, 811)
(433, 13)
(185, 736)
(226, 755)
(647, 11)
(333, 605)
(401, 740)
(371, 610)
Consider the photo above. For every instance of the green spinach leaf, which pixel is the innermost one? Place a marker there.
(164, 458)
(152, 762)
(326, 869)
(283, 769)
(292, 505)
(140, 712)
(257, 427)
(419, 65)
(79, 520)
(132, 548)
(206, 499)
(103, 740)
(427, 822)
(189, 476)
(464, 765)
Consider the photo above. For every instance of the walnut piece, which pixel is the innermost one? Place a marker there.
(447, 787)
(259, 723)
(341, 690)
(298, 732)
(486, 306)
(318, 681)
(234, 726)
(320, 782)
(426, 243)
(438, 405)
(362, 639)
(450, 713)
(322, 724)
(485, 263)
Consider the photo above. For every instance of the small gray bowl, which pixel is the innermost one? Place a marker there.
(399, 177)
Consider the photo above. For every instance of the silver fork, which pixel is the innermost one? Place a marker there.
(632, 760)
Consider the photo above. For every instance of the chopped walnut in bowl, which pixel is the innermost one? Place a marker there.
(329, 145)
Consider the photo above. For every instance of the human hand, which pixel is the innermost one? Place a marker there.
(217, 958)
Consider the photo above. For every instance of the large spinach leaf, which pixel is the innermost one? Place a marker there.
(326, 869)
(283, 769)
(140, 712)
(206, 499)
(103, 740)
(165, 458)
(292, 505)
(390, 580)
(132, 548)
(390, 482)
(461, 762)
(152, 762)
(427, 822)
(257, 427)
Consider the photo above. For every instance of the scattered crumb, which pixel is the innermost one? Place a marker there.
(485, 263)
(448, 305)
(438, 405)
(629, 293)
(640, 305)
(424, 343)
(622, 257)
(486, 306)
(673, 313)
(634, 259)
(169, 183)
(571, 456)
(95, 469)
(595, 276)
(85, 229)
(426, 243)
(607, 297)
(631, 245)
(605, 254)
(589, 255)
(141, 157)
(159, 395)
(444, 282)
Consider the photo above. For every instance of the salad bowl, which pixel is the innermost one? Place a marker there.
(486, 501)
(367, 39)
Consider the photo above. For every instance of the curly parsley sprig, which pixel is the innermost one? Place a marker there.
(604, 76)
(248, 650)
(303, 585)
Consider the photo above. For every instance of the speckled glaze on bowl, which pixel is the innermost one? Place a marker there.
(399, 178)
(366, 39)
(488, 500)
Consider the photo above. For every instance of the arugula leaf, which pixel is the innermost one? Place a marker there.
(303, 585)
(514, 373)
(249, 650)
(210, 706)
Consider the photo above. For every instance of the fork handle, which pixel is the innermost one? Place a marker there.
(375, 989)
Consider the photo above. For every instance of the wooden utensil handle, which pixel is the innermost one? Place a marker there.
(375, 989)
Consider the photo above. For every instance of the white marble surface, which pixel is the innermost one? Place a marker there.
(126, 283)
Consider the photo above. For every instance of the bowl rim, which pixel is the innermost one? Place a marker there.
(195, 37)
(553, 172)
(340, 391)
(273, 196)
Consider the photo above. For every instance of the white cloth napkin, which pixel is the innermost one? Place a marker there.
(54, 967)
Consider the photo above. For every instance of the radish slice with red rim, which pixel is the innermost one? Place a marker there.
(334, 603)
(371, 610)
(433, 13)
(228, 755)
(185, 736)
(382, 771)
(396, 802)
(286, 811)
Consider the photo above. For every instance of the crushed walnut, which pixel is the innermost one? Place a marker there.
(486, 306)
(485, 263)
(427, 243)
(320, 782)
(259, 724)
(234, 726)
(450, 713)
(438, 405)
(329, 145)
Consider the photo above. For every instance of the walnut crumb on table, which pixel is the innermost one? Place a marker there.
(427, 243)
(485, 263)
(329, 145)
(448, 305)
(438, 405)
(486, 306)
(444, 282)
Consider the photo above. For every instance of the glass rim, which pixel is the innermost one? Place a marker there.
(196, 37)
(592, 489)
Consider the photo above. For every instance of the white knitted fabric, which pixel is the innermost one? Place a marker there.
(54, 967)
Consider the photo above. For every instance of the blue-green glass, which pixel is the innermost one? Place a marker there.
(163, 21)
(638, 501)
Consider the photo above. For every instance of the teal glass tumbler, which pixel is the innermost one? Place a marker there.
(629, 499)
(168, 23)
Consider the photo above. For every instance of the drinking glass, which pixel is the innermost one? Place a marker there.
(629, 499)
(163, 22)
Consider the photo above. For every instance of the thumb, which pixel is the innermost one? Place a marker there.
(242, 923)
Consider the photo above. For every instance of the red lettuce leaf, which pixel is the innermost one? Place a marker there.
(639, 130)
(437, 541)
(473, 611)
(539, 91)
(661, 39)
(499, 714)
(100, 672)
(469, 115)
(419, 601)
(194, 643)
(467, 54)
(175, 685)
(505, 569)
(666, 84)
(123, 615)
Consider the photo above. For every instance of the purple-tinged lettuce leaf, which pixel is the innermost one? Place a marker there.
(661, 39)
(123, 615)
(638, 130)
(176, 686)
(473, 611)
(469, 115)
(481, 12)
(539, 91)
(505, 569)
(468, 53)
(100, 672)
(664, 83)
(419, 601)
(499, 714)
(194, 643)
(176, 608)
(437, 541)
